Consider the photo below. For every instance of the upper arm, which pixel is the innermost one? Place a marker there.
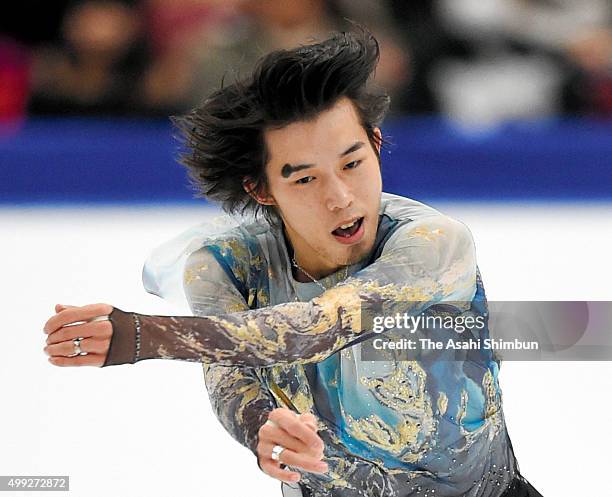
(208, 287)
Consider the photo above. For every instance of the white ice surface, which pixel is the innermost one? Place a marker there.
(148, 430)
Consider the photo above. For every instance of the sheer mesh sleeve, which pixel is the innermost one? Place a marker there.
(423, 263)
(237, 395)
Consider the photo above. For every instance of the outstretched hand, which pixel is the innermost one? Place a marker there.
(88, 322)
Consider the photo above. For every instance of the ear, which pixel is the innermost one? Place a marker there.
(259, 196)
(378, 140)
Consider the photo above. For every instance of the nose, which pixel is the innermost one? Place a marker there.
(339, 195)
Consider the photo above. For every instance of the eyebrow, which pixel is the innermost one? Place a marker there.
(289, 169)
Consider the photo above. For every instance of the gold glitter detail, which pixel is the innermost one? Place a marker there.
(374, 431)
(263, 299)
(427, 233)
(403, 390)
(291, 379)
(491, 402)
(462, 409)
(234, 307)
(493, 420)
(162, 352)
(442, 403)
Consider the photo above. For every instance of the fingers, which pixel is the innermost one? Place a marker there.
(65, 349)
(68, 315)
(96, 329)
(95, 335)
(292, 424)
(275, 435)
(273, 469)
(292, 458)
(59, 307)
(79, 360)
(303, 448)
(310, 420)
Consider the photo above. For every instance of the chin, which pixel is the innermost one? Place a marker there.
(358, 252)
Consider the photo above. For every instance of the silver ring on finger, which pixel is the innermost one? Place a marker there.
(99, 318)
(277, 450)
(77, 347)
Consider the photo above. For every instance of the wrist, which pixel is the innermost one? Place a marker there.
(125, 341)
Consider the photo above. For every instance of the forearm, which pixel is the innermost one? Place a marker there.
(239, 401)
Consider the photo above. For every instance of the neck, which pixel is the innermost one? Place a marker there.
(301, 276)
(316, 269)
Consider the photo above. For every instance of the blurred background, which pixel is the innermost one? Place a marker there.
(479, 61)
(501, 117)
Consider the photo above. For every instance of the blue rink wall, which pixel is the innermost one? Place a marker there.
(83, 160)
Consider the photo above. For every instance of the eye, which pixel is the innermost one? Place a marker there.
(304, 180)
(353, 164)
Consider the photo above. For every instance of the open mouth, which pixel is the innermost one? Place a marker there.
(348, 230)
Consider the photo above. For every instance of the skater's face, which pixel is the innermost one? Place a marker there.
(324, 173)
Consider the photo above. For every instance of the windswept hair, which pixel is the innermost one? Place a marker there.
(224, 136)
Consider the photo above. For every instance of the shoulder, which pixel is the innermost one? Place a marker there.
(236, 252)
(404, 208)
(432, 227)
(421, 224)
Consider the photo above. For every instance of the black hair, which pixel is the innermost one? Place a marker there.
(224, 136)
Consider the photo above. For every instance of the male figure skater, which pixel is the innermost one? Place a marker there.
(280, 301)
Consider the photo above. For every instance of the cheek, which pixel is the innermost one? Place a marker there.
(303, 204)
(371, 182)
(298, 210)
